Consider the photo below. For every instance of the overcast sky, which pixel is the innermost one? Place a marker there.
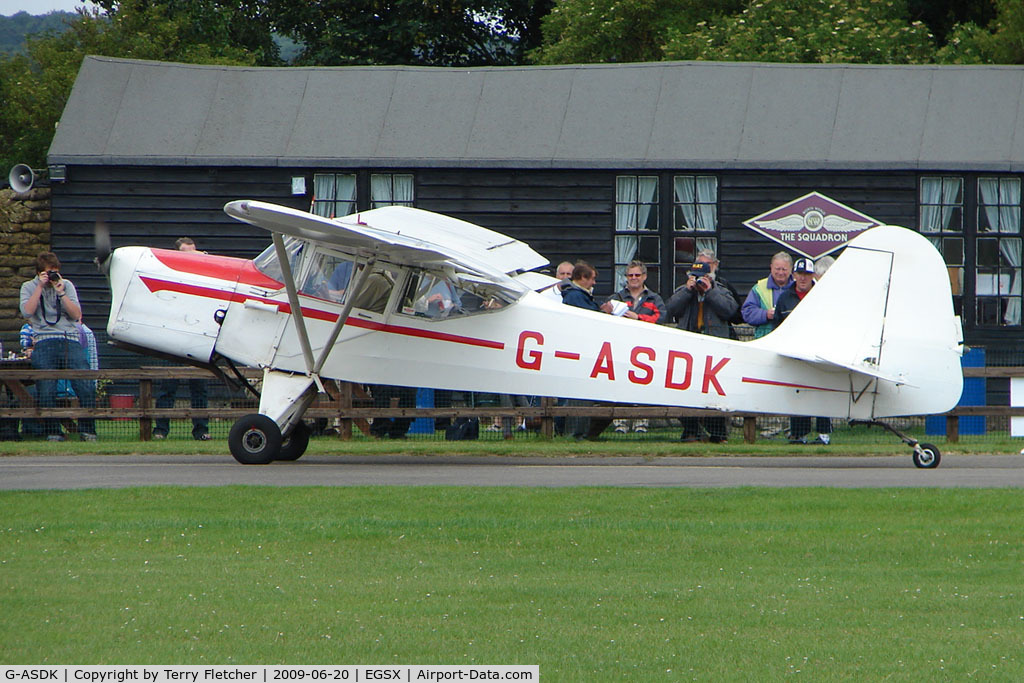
(9, 7)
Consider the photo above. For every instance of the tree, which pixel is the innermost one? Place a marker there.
(35, 86)
(448, 33)
(232, 30)
(823, 31)
(1000, 42)
(588, 31)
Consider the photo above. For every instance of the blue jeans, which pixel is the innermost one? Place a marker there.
(197, 395)
(63, 354)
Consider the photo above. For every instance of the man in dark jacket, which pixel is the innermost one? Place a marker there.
(803, 281)
(580, 290)
(704, 304)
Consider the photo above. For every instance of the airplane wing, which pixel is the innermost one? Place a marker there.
(404, 236)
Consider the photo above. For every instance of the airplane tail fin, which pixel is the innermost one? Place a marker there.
(883, 311)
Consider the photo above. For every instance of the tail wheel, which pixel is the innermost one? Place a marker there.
(926, 456)
(294, 445)
(255, 440)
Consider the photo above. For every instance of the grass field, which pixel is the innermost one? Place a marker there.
(591, 584)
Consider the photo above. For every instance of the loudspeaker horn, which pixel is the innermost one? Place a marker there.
(21, 178)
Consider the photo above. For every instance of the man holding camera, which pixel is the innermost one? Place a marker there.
(50, 304)
(704, 304)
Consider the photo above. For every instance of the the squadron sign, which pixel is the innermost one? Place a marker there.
(812, 225)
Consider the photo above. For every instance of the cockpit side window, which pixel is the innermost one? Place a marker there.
(268, 264)
(328, 277)
(435, 296)
(376, 290)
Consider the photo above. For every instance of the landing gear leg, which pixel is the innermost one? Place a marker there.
(926, 455)
(277, 432)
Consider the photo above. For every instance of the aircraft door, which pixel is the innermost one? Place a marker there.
(253, 322)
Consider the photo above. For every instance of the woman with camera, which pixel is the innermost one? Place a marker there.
(50, 305)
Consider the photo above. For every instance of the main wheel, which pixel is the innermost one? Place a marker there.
(295, 444)
(255, 440)
(926, 456)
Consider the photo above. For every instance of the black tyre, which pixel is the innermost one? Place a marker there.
(255, 440)
(927, 457)
(295, 444)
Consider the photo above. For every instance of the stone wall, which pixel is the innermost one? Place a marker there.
(24, 232)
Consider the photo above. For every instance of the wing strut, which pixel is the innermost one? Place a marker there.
(293, 299)
(357, 286)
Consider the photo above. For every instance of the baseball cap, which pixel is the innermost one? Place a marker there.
(700, 269)
(804, 265)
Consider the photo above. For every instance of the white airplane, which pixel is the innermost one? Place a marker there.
(407, 297)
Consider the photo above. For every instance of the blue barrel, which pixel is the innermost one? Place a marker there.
(423, 425)
(973, 395)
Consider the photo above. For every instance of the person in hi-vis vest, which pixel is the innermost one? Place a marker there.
(759, 307)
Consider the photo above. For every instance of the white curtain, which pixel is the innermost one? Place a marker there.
(1000, 199)
(940, 197)
(625, 202)
(950, 200)
(647, 201)
(380, 190)
(625, 251)
(686, 200)
(334, 194)
(388, 190)
(403, 190)
(931, 193)
(697, 198)
(324, 192)
(707, 202)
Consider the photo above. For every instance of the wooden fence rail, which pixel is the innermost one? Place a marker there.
(347, 403)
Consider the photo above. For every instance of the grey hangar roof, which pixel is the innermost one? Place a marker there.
(677, 115)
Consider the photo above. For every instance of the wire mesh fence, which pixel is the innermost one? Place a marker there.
(182, 403)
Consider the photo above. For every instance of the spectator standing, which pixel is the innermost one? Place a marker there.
(564, 274)
(803, 281)
(643, 305)
(579, 292)
(705, 305)
(50, 304)
(196, 387)
(759, 307)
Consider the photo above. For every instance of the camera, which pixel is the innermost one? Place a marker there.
(53, 275)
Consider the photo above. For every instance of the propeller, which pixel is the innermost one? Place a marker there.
(101, 240)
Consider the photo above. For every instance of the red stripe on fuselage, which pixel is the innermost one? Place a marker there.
(219, 267)
(789, 385)
(155, 285)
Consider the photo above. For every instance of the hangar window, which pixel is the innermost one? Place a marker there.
(694, 221)
(664, 236)
(334, 194)
(998, 252)
(637, 227)
(391, 189)
(940, 218)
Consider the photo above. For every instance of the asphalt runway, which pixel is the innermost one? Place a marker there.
(115, 471)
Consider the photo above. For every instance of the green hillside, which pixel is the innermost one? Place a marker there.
(14, 29)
